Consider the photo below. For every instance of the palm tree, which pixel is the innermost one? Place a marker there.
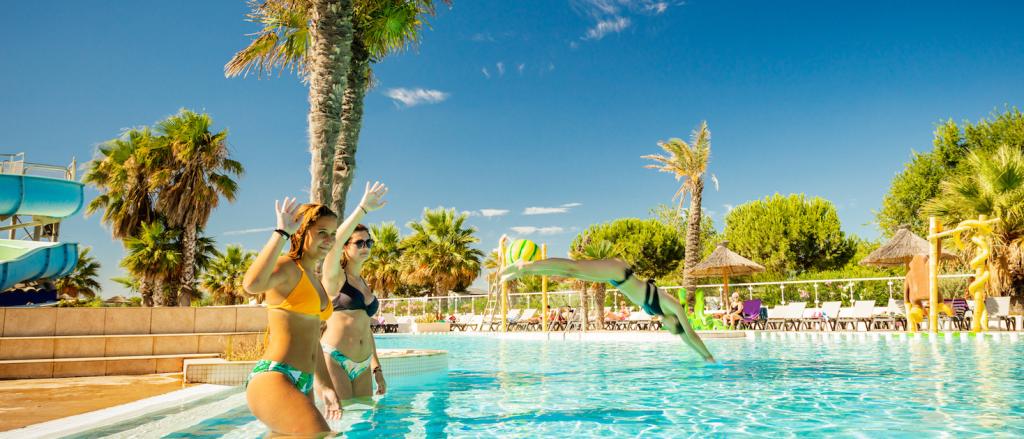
(82, 282)
(151, 256)
(382, 27)
(991, 184)
(591, 250)
(289, 40)
(688, 162)
(439, 252)
(223, 278)
(196, 171)
(383, 270)
(121, 174)
(313, 37)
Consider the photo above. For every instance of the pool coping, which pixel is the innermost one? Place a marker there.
(90, 420)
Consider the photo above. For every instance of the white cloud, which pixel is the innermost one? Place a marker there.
(574, 45)
(544, 210)
(410, 97)
(572, 204)
(485, 72)
(657, 8)
(488, 213)
(728, 207)
(501, 68)
(247, 231)
(530, 230)
(605, 27)
(483, 37)
(520, 68)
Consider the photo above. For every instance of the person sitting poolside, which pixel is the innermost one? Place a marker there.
(644, 293)
(735, 312)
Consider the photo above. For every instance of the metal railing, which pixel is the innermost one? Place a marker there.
(15, 164)
(779, 292)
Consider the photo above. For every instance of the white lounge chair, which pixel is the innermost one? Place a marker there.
(999, 311)
(861, 312)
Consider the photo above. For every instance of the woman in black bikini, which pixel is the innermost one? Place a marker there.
(618, 273)
(348, 344)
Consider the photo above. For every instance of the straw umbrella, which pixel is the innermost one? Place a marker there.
(903, 246)
(724, 262)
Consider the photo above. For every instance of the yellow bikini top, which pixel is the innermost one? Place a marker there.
(304, 299)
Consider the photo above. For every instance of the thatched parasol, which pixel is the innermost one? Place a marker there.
(903, 246)
(116, 300)
(724, 262)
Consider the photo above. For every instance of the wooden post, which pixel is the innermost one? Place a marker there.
(934, 227)
(544, 291)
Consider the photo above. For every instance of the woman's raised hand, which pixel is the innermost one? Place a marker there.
(285, 212)
(373, 196)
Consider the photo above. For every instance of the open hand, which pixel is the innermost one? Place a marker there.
(382, 386)
(373, 196)
(285, 212)
(332, 408)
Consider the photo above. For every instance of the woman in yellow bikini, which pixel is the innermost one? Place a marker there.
(348, 344)
(279, 389)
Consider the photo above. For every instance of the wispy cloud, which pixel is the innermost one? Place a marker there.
(572, 205)
(530, 230)
(605, 27)
(482, 37)
(247, 231)
(544, 210)
(728, 207)
(520, 68)
(485, 72)
(501, 68)
(410, 97)
(488, 213)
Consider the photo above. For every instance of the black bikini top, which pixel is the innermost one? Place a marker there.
(350, 298)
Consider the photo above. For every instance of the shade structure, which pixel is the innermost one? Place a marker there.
(724, 262)
(903, 246)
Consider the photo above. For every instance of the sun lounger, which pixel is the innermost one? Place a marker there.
(794, 316)
(751, 315)
(776, 316)
(999, 311)
(826, 319)
(523, 321)
(861, 312)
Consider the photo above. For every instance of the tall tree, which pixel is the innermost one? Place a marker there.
(121, 174)
(151, 256)
(383, 270)
(688, 162)
(196, 172)
(439, 252)
(992, 184)
(920, 179)
(789, 235)
(223, 278)
(313, 37)
(82, 282)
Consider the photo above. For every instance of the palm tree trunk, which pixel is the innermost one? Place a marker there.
(330, 40)
(146, 291)
(583, 306)
(693, 239)
(188, 267)
(599, 298)
(351, 124)
(158, 292)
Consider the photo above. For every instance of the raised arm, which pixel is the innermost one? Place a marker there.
(261, 275)
(373, 199)
(601, 270)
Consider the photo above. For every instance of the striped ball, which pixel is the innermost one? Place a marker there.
(522, 249)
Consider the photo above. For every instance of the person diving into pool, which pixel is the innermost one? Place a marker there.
(616, 272)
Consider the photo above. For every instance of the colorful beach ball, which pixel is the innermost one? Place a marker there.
(522, 249)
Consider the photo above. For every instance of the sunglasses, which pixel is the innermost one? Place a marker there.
(368, 243)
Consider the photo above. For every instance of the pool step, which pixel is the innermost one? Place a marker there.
(95, 366)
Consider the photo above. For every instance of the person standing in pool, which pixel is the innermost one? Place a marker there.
(347, 343)
(279, 389)
(643, 293)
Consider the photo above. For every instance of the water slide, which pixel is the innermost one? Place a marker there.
(46, 200)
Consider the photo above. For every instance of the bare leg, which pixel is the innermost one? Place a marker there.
(278, 404)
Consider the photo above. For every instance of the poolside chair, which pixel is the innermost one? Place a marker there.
(523, 320)
(999, 311)
(777, 316)
(861, 312)
(827, 318)
(639, 320)
(794, 316)
(751, 315)
(957, 320)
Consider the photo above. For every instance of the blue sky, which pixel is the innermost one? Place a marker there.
(513, 105)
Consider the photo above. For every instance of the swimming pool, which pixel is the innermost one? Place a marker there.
(867, 386)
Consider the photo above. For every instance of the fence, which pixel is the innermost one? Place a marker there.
(879, 289)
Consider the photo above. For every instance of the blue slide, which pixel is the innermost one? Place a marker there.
(29, 195)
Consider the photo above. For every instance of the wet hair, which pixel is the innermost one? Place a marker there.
(344, 255)
(309, 214)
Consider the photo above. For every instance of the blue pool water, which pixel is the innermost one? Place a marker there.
(867, 387)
